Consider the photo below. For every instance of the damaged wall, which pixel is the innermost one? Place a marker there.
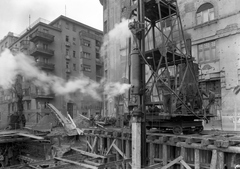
(222, 34)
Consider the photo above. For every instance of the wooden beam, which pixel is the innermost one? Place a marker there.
(183, 151)
(110, 147)
(172, 162)
(92, 163)
(154, 166)
(220, 157)
(119, 151)
(213, 164)
(76, 163)
(89, 145)
(88, 153)
(197, 159)
(111, 164)
(151, 153)
(185, 164)
(94, 144)
(164, 154)
(30, 136)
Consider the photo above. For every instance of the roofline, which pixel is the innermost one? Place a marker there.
(31, 29)
(79, 23)
(8, 35)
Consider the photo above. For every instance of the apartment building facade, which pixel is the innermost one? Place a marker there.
(65, 48)
(214, 30)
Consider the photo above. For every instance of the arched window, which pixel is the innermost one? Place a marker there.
(205, 13)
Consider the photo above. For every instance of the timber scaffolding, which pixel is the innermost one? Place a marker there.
(210, 151)
(112, 148)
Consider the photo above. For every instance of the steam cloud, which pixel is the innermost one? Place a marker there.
(12, 65)
(119, 33)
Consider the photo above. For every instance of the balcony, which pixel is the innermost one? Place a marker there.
(41, 51)
(67, 44)
(99, 61)
(24, 44)
(68, 57)
(68, 70)
(42, 65)
(41, 36)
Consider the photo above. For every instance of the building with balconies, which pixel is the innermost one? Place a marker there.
(65, 48)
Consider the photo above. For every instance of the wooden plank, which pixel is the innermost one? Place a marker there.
(151, 153)
(183, 151)
(213, 164)
(172, 162)
(196, 159)
(89, 145)
(111, 164)
(220, 157)
(76, 163)
(119, 151)
(92, 163)
(88, 153)
(164, 154)
(109, 149)
(128, 146)
(185, 164)
(30, 136)
(136, 143)
(94, 144)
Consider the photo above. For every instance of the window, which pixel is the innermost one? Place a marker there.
(74, 67)
(207, 52)
(74, 54)
(28, 105)
(86, 55)
(74, 28)
(45, 60)
(74, 41)
(86, 68)
(67, 25)
(205, 13)
(67, 65)
(45, 46)
(45, 30)
(67, 38)
(86, 43)
(67, 52)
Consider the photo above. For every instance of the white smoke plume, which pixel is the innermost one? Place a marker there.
(119, 33)
(12, 65)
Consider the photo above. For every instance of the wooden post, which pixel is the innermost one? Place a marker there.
(197, 159)
(220, 157)
(183, 150)
(136, 140)
(127, 152)
(213, 164)
(151, 153)
(164, 154)
(117, 154)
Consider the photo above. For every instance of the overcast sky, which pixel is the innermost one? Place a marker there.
(14, 14)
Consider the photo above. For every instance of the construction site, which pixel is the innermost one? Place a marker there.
(162, 118)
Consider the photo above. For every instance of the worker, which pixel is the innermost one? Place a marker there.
(211, 101)
(164, 85)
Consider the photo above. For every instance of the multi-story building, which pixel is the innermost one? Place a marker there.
(65, 48)
(214, 30)
(8, 40)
